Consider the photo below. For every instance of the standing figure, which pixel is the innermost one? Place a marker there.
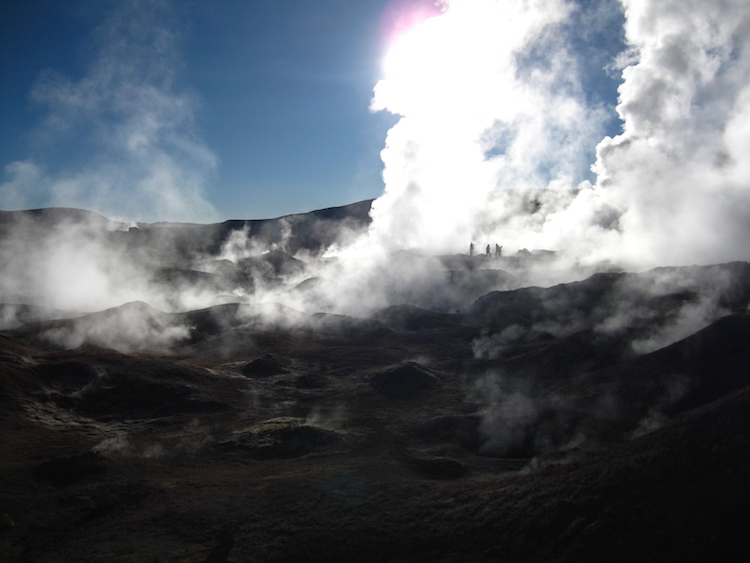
(471, 249)
(498, 251)
(488, 251)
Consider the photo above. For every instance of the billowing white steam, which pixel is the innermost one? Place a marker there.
(474, 121)
(497, 139)
(491, 99)
(680, 172)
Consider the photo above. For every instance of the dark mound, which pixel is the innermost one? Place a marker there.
(414, 319)
(342, 325)
(436, 467)
(405, 381)
(684, 375)
(656, 295)
(182, 279)
(475, 282)
(110, 388)
(462, 431)
(308, 285)
(281, 264)
(71, 468)
(314, 231)
(310, 381)
(140, 398)
(69, 376)
(13, 316)
(280, 439)
(53, 217)
(131, 326)
(212, 321)
(267, 366)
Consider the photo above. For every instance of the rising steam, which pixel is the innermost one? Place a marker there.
(504, 137)
(495, 117)
(145, 160)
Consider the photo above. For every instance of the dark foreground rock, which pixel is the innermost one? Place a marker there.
(266, 366)
(404, 381)
(279, 439)
(71, 468)
(540, 424)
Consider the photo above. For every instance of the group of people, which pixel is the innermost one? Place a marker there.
(498, 250)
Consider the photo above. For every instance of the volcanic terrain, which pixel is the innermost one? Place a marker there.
(477, 418)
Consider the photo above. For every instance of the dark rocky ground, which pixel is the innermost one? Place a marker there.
(589, 421)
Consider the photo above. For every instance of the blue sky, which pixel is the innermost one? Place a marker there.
(254, 108)
(287, 89)
(281, 94)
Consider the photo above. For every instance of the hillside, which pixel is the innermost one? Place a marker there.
(235, 409)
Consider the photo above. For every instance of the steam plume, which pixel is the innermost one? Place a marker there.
(679, 172)
(493, 110)
(490, 99)
(146, 160)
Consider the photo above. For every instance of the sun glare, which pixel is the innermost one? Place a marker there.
(448, 61)
(401, 16)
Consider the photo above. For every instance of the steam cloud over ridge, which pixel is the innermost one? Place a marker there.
(537, 338)
(501, 127)
(478, 127)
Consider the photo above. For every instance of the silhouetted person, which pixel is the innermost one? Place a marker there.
(498, 251)
(487, 252)
(471, 249)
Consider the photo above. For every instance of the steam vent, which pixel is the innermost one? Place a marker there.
(498, 310)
